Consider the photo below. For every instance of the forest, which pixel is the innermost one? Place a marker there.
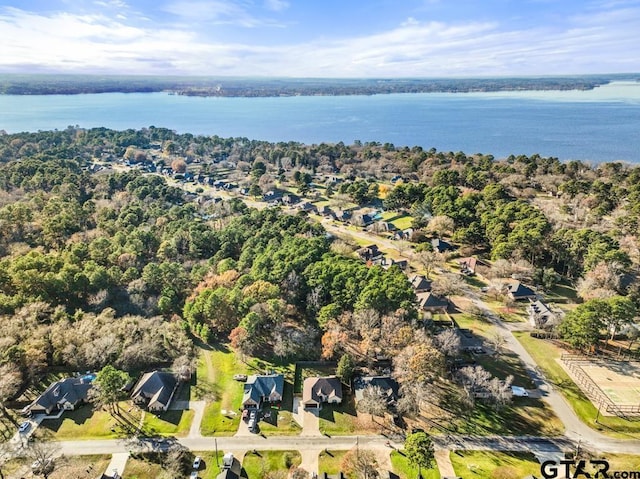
(112, 266)
(15, 84)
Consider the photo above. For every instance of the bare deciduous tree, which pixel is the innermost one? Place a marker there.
(374, 401)
(448, 284)
(448, 342)
(429, 260)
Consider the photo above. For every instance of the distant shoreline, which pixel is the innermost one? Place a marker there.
(251, 88)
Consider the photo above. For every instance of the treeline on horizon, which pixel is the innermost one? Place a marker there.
(127, 265)
(23, 84)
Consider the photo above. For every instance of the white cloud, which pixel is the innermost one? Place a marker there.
(276, 5)
(594, 42)
(220, 12)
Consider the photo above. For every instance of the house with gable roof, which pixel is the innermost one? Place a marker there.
(262, 389)
(155, 390)
(319, 390)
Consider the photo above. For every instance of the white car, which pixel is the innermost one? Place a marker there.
(24, 426)
(194, 475)
(196, 462)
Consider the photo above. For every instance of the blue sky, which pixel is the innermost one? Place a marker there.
(321, 38)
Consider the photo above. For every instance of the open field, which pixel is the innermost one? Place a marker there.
(256, 464)
(547, 355)
(494, 465)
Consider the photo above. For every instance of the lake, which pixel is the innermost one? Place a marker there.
(596, 125)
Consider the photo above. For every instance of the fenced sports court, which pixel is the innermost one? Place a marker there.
(612, 386)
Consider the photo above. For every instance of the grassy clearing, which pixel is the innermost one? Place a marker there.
(141, 469)
(256, 465)
(169, 423)
(343, 420)
(546, 354)
(524, 416)
(494, 465)
(402, 222)
(208, 468)
(401, 467)
(329, 461)
(86, 423)
(216, 368)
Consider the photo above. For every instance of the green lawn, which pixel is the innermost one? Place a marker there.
(87, 423)
(342, 419)
(284, 425)
(329, 461)
(401, 467)
(256, 464)
(169, 423)
(546, 354)
(208, 468)
(141, 469)
(402, 222)
(494, 465)
(216, 368)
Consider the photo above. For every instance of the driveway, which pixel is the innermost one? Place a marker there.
(308, 419)
(198, 408)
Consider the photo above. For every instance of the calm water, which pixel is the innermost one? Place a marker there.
(597, 125)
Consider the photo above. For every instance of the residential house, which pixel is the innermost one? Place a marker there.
(468, 265)
(406, 234)
(518, 291)
(363, 219)
(261, 389)
(318, 390)
(290, 199)
(155, 390)
(387, 263)
(325, 211)
(432, 303)
(308, 207)
(64, 394)
(388, 385)
(343, 215)
(420, 284)
(369, 253)
(441, 246)
(540, 315)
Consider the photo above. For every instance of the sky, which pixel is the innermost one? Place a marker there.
(321, 38)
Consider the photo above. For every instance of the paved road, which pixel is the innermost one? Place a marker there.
(575, 429)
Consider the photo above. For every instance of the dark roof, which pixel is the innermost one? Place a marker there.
(259, 387)
(316, 389)
(420, 283)
(441, 246)
(519, 290)
(156, 387)
(386, 383)
(432, 301)
(71, 390)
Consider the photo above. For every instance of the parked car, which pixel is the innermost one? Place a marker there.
(193, 475)
(196, 462)
(245, 414)
(240, 377)
(24, 426)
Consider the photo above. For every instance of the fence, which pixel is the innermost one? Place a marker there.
(574, 363)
